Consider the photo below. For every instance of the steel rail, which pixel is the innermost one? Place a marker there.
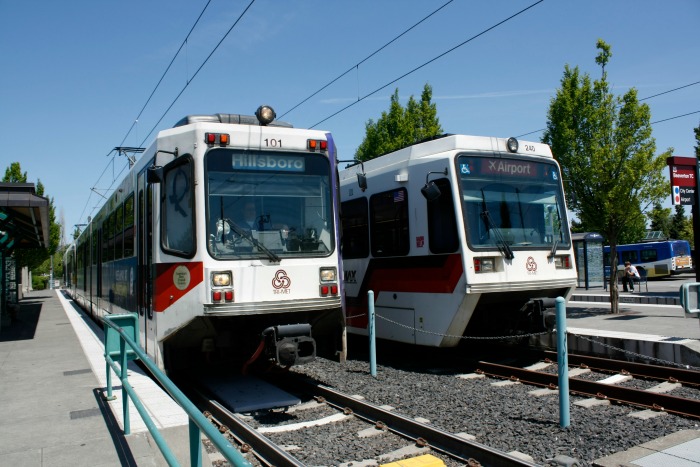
(265, 450)
(671, 374)
(655, 401)
(434, 437)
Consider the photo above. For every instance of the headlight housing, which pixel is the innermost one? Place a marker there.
(221, 279)
(328, 274)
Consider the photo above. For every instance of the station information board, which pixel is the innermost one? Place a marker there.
(683, 175)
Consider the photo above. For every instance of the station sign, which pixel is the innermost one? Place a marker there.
(684, 183)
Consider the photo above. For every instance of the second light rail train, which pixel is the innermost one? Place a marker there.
(456, 236)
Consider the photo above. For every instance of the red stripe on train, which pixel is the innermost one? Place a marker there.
(173, 281)
(428, 278)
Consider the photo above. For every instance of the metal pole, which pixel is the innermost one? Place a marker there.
(563, 363)
(372, 340)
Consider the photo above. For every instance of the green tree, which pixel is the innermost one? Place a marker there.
(13, 174)
(677, 224)
(400, 127)
(607, 154)
(660, 219)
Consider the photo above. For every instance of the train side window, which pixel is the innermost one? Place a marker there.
(119, 232)
(389, 223)
(442, 224)
(354, 219)
(177, 208)
(129, 226)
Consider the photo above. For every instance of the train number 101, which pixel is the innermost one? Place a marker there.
(273, 143)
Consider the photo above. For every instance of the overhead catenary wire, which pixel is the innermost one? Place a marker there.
(180, 93)
(184, 42)
(360, 99)
(197, 72)
(640, 100)
(355, 66)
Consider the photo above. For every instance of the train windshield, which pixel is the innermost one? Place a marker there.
(268, 204)
(512, 203)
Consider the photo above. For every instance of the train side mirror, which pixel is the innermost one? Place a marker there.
(362, 181)
(430, 191)
(154, 175)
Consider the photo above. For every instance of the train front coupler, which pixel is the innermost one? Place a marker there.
(539, 313)
(290, 344)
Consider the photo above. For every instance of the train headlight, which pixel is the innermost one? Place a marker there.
(221, 279)
(265, 114)
(328, 274)
(512, 145)
(484, 265)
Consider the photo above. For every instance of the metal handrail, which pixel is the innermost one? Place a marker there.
(126, 348)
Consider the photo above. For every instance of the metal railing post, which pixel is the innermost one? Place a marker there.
(195, 445)
(563, 363)
(125, 395)
(372, 339)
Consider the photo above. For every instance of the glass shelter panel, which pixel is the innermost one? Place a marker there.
(263, 204)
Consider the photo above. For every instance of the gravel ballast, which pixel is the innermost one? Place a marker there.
(505, 418)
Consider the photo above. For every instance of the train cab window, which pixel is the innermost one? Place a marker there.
(129, 226)
(389, 223)
(177, 201)
(442, 223)
(268, 204)
(354, 215)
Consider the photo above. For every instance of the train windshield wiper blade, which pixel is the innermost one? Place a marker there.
(243, 233)
(501, 243)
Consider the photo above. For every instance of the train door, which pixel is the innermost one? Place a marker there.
(145, 264)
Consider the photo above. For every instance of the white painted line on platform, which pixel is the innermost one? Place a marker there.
(164, 411)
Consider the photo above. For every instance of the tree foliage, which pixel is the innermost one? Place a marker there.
(400, 127)
(660, 219)
(605, 147)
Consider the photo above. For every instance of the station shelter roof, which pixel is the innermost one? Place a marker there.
(24, 217)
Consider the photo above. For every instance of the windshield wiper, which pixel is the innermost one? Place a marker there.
(243, 233)
(555, 243)
(500, 241)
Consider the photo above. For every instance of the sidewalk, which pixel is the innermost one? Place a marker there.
(52, 378)
(52, 411)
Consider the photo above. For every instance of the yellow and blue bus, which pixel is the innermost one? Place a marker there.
(656, 259)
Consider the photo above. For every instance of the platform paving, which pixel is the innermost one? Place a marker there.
(52, 379)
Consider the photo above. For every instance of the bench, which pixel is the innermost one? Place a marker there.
(637, 281)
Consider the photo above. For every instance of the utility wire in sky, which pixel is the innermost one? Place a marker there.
(360, 99)
(186, 84)
(643, 99)
(196, 72)
(366, 58)
(184, 42)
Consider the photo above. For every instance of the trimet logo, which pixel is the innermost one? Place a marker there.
(281, 282)
(531, 265)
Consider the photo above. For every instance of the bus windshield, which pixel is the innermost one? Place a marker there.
(512, 202)
(268, 204)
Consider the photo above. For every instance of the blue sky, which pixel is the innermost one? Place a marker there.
(77, 73)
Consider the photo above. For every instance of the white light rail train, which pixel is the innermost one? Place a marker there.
(223, 237)
(456, 236)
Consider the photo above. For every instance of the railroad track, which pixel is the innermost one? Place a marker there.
(651, 398)
(423, 437)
